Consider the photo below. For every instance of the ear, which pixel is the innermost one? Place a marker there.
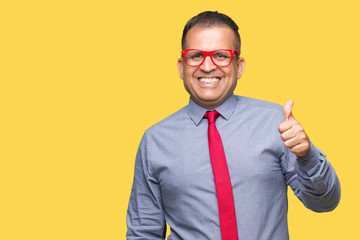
(180, 65)
(241, 65)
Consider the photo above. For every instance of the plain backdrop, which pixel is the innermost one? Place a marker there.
(82, 80)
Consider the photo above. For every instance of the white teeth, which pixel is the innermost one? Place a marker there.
(209, 80)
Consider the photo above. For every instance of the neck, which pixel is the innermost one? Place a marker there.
(209, 104)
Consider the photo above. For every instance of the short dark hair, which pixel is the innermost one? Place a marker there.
(208, 19)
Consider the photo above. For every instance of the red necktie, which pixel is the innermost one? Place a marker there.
(222, 181)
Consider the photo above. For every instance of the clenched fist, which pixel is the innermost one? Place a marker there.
(292, 133)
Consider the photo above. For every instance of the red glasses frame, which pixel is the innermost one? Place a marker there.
(209, 53)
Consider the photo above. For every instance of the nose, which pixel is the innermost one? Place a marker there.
(207, 65)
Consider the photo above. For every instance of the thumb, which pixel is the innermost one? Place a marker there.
(287, 110)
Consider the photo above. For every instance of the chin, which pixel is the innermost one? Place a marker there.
(209, 102)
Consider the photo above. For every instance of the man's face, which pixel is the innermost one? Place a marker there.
(224, 79)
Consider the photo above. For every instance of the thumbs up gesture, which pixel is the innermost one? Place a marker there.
(292, 133)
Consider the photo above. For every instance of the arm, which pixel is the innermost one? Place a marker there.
(309, 174)
(145, 215)
(313, 179)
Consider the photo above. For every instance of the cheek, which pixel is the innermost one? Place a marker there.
(232, 73)
(188, 74)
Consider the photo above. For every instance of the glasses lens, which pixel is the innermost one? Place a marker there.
(194, 57)
(222, 58)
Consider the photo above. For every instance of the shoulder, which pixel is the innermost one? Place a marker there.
(169, 122)
(260, 104)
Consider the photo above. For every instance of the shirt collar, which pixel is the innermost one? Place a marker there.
(226, 109)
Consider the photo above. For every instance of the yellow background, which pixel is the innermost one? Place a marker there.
(82, 80)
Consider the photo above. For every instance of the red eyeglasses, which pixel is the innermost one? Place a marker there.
(220, 57)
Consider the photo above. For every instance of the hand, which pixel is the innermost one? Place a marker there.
(292, 133)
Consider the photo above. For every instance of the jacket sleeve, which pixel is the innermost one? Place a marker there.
(145, 215)
(312, 178)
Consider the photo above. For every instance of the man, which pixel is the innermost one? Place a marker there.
(258, 147)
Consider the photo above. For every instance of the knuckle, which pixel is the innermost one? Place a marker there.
(298, 128)
(302, 137)
(293, 150)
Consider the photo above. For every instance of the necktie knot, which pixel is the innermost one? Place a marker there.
(212, 116)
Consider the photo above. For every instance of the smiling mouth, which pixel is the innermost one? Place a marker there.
(209, 80)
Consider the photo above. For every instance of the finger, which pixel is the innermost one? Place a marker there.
(292, 142)
(301, 149)
(289, 134)
(285, 126)
(287, 110)
(294, 129)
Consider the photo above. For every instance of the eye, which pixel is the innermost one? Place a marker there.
(195, 55)
(221, 55)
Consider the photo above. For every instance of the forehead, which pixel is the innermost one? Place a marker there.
(210, 38)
